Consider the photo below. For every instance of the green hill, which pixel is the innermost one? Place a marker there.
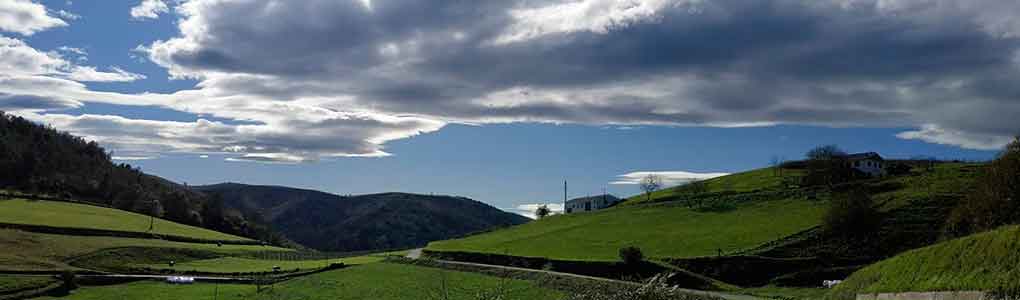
(756, 212)
(663, 230)
(981, 262)
(37, 159)
(74, 215)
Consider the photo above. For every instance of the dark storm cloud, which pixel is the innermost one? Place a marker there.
(919, 63)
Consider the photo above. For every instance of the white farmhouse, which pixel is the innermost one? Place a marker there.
(592, 203)
(868, 163)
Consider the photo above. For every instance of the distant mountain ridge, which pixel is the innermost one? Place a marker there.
(331, 222)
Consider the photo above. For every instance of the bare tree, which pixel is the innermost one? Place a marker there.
(651, 183)
(825, 152)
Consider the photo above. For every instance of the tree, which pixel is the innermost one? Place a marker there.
(995, 198)
(631, 255)
(694, 190)
(827, 165)
(852, 214)
(542, 211)
(651, 183)
(825, 152)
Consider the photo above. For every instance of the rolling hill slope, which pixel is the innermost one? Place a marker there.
(981, 262)
(752, 212)
(75, 215)
(367, 222)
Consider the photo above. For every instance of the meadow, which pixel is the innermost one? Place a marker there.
(660, 230)
(74, 215)
(377, 281)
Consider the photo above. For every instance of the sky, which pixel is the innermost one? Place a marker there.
(504, 100)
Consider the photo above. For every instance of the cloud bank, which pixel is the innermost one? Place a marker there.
(318, 78)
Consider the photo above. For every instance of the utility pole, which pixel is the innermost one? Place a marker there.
(564, 193)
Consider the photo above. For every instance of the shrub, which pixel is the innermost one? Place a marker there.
(995, 200)
(852, 214)
(631, 255)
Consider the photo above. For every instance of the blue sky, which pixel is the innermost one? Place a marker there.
(503, 100)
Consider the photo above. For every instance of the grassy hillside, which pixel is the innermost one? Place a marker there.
(73, 215)
(743, 182)
(377, 281)
(983, 262)
(737, 213)
(38, 251)
(659, 230)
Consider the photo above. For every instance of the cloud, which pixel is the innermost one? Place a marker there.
(26, 17)
(17, 58)
(149, 9)
(636, 62)
(669, 178)
(934, 134)
(67, 15)
(323, 78)
(528, 210)
(90, 74)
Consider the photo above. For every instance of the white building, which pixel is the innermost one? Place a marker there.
(868, 163)
(592, 203)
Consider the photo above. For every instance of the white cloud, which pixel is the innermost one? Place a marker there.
(149, 9)
(932, 133)
(528, 210)
(669, 178)
(19, 59)
(26, 17)
(597, 16)
(67, 15)
(90, 74)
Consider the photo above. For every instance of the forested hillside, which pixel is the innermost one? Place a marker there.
(378, 221)
(37, 159)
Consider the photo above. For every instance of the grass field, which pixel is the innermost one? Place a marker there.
(10, 284)
(376, 281)
(73, 215)
(659, 230)
(154, 290)
(38, 251)
(981, 262)
(235, 264)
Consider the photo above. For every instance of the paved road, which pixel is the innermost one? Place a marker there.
(416, 254)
